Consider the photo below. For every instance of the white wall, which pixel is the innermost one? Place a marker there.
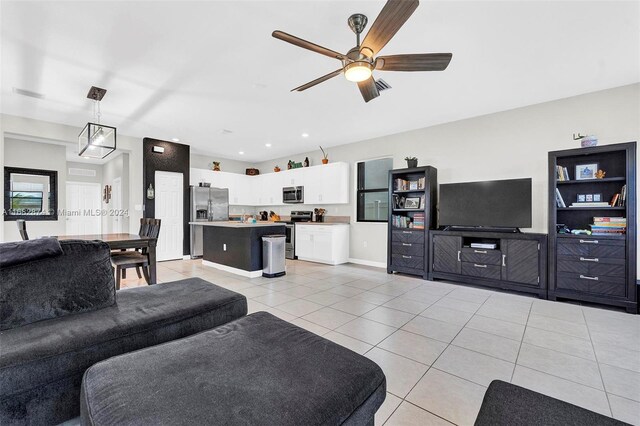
(117, 167)
(199, 161)
(34, 155)
(509, 144)
(13, 126)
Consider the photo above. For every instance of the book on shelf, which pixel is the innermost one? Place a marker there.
(559, 200)
(614, 200)
(418, 221)
(595, 204)
(409, 185)
(562, 173)
(608, 225)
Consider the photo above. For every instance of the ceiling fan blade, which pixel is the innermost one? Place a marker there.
(317, 81)
(414, 62)
(368, 89)
(393, 15)
(297, 41)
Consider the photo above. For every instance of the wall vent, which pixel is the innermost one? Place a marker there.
(382, 85)
(73, 171)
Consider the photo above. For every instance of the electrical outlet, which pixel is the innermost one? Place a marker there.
(364, 244)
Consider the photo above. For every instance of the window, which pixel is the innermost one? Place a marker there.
(373, 190)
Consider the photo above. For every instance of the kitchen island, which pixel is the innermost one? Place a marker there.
(235, 246)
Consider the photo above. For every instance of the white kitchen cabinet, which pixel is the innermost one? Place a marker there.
(323, 243)
(324, 184)
(327, 184)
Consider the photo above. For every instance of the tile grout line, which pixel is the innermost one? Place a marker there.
(604, 388)
(515, 363)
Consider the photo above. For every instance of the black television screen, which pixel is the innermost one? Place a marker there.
(498, 203)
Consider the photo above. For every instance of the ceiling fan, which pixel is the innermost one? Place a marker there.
(358, 63)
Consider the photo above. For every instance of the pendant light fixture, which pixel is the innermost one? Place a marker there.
(96, 140)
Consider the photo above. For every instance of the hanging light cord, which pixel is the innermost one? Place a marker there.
(96, 110)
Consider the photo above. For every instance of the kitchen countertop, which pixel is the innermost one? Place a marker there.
(236, 224)
(322, 223)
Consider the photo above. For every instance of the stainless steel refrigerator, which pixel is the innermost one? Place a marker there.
(207, 205)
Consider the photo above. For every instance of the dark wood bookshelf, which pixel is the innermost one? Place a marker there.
(594, 268)
(407, 247)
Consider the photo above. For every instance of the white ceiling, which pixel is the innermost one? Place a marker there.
(190, 69)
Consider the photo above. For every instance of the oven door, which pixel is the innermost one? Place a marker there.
(293, 194)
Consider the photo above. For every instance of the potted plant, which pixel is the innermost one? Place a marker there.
(325, 156)
(276, 169)
(412, 162)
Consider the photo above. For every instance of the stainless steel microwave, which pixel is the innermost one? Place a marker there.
(293, 194)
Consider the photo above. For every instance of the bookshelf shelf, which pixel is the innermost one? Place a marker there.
(407, 191)
(408, 210)
(570, 275)
(591, 181)
(560, 209)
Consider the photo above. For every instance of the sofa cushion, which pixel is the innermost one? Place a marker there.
(18, 252)
(79, 280)
(44, 352)
(255, 370)
(507, 404)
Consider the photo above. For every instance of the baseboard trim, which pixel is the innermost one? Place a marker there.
(241, 272)
(368, 263)
(186, 257)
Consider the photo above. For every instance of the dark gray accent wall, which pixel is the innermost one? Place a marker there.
(175, 158)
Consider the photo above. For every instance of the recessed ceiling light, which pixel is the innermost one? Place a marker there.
(241, 152)
(175, 139)
(268, 145)
(305, 135)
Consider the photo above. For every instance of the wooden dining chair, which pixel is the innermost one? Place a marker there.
(139, 258)
(22, 228)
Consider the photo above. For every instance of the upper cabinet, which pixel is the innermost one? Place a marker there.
(324, 184)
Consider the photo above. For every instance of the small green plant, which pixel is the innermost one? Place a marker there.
(410, 159)
(324, 154)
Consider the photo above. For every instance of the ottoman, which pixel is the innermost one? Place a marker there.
(257, 370)
(507, 404)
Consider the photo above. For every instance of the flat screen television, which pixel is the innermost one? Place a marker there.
(494, 204)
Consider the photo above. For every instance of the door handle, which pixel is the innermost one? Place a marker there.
(586, 259)
(406, 257)
(479, 266)
(584, 277)
(504, 258)
(480, 251)
(406, 232)
(407, 245)
(458, 255)
(588, 241)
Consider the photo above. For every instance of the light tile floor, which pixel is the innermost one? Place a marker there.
(441, 344)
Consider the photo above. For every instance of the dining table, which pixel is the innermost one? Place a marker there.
(121, 241)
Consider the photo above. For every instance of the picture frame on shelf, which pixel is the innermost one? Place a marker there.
(586, 171)
(588, 198)
(412, 203)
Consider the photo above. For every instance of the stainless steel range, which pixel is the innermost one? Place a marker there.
(290, 243)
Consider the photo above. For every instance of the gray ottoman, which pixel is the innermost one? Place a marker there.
(257, 370)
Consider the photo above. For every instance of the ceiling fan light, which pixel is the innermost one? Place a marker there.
(358, 71)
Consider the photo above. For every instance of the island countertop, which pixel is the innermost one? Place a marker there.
(236, 224)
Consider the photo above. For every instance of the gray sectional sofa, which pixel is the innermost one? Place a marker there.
(60, 314)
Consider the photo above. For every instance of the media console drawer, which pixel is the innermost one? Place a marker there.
(485, 256)
(409, 236)
(407, 261)
(411, 249)
(596, 284)
(592, 247)
(481, 270)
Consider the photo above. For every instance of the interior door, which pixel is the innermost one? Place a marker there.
(169, 207)
(520, 261)
(116, 206)
(446, 253)
(84, 203)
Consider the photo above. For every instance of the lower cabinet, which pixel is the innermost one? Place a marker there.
(516, 261)
(323, 243)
